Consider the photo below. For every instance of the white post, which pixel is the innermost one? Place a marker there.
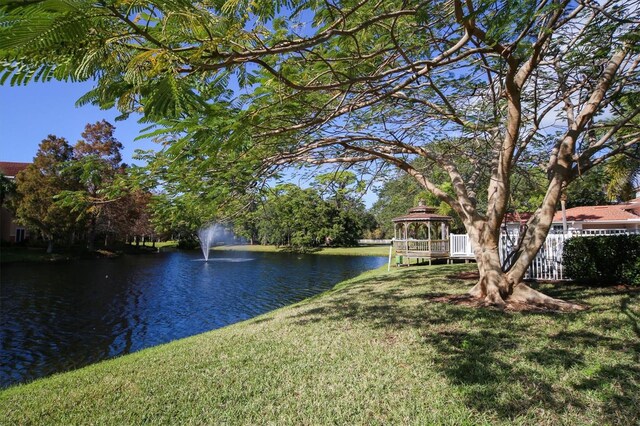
(390, 250)
(563, 205)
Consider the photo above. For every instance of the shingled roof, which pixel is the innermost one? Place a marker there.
(11, 169)
(421, 213)
(616, 212)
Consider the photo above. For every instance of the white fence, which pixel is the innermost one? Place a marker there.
(460, 246)
(370, 242)
(591, 232)
(547, 265)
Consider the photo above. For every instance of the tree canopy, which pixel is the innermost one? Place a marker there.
(72, 192)
(36, 187)
(478, 90)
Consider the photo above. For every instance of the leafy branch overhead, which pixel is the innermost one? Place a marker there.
(477, 91)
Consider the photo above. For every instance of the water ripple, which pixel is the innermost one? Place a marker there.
(58, 317)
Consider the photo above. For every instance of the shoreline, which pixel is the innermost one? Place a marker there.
(11, 255)
(376, 349)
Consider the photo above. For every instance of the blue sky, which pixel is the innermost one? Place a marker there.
(29, 113)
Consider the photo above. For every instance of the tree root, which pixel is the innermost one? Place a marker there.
(524, 298)
(476, 291)
(523, 294)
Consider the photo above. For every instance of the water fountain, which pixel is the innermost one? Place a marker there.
(207, 235)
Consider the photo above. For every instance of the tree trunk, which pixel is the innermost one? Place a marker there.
(501, 288)
(494, 286)
(92, 234)
(50, 246)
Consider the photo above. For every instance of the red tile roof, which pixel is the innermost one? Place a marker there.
(598, 213)
(517, 217)
(10, 169)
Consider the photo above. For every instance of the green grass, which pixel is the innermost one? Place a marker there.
(375, 350)
(24, 254)
(39, 254)
(345, 251)
(167, 244)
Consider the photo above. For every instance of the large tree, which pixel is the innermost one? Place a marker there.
(98, 163)
(37, 186)
(478, 89)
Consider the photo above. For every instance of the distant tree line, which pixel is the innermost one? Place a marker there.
(82, 194)
(328, 213)
(78, 194)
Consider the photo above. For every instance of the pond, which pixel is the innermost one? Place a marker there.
(61, 316)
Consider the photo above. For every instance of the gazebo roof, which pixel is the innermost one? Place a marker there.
(422, 213)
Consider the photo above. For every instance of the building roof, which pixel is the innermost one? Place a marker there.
(616, 212)
(11, 169)
(421, 213)
(517, 217)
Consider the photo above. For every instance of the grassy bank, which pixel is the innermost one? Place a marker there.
(378, 349)
(25, 254)
(346, 251)
(39, 254)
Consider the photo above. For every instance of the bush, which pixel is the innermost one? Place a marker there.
(613, 259)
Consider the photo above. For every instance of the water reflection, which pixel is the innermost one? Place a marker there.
(57, 317)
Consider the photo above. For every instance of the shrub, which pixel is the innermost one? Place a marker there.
(613, 259)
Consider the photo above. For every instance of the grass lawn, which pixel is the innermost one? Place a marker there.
(168, 244)
(24, 254)
(39, 254)
(376, 350)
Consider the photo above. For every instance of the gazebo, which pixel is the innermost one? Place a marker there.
(421, 234)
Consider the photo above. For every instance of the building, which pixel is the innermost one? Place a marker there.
(9, 230)
(421, 234)
(610, 219)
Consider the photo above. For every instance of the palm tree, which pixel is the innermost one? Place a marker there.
(623, 176)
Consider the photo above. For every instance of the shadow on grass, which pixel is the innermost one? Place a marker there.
(511, 365)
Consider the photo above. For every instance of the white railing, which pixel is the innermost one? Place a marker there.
(460, 246)
(370, 242)
(587, 232)
(440, 247)
(547, 264)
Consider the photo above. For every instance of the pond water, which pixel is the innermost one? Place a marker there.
(62, 316)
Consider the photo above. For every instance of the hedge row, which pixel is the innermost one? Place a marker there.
(613, 259)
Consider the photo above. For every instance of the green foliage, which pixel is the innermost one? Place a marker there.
(7, 188)
(398, 194)
(613, 182)
(460, 95)
(623, 176)
(97, 163)
(588, 189)
(82, 191)
(292, 217)
(36, 187)
(603, 260)
(395, 197)
(301, 219)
